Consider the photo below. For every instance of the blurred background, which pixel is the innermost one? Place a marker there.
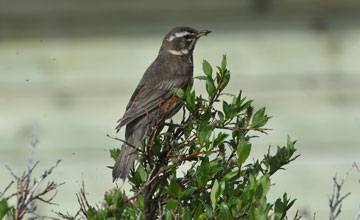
(71, 66)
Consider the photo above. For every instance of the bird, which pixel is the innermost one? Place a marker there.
(173, 67)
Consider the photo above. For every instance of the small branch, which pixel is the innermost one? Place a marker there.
(188, 138)
(187, 176)
(245, 129)
(67, 215)
(297, 217)
(357, 217)
(128, 144)
(230, 157)
(335, 201)
(148, 182)
(240, 216)
(192, 155)
(226, 128)
(11, 172)
(26, 192)
(82, 200)
(49, 187)
(3, 193)
(294, 158)
(33, 144)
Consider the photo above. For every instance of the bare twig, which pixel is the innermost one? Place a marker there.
(336, 199)
(27, 194)
(11, 172)
(65, 216)
(8, 186)
(192, 155)
(33, 144)
(51, 186)
(128, 144)
(294, 158)
(82, 200)
(297, 217)
(357, 217)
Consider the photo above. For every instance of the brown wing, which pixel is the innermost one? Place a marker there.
(146, 98)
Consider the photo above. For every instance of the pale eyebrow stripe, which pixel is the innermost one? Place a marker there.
(178, 34)
(181, 34)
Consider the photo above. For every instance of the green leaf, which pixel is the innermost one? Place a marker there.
(281, 158)
(210, 87)
(213, 196)
(220, 139)
(197, 212)
(230, 175)
(207, 68)
(189, 192)
(168, 215)
(243, 150)
(142, 173)
(223, 63)
(201, 77)
(225, 211)
(175, 189)
(179, 93)
(171, 204)
(208, 209)
(204, 133)
(225, 81)
(245, 106)
(221, 116)
(222, 188)
(259, 119)
(230, 110)
(190, 98)
(263, 187)
(278, 210)
(187, 215)
(281, 207)
(4, 208)
(205, 171)
(290, 145)
(265, 182)
(114, 153)
(202, 216)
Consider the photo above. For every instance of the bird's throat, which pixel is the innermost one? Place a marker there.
(179, 52)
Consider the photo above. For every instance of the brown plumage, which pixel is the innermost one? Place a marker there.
(173, 67)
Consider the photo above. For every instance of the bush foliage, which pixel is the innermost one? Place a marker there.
(199, 168)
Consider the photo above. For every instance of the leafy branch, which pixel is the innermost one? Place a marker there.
(199, 168)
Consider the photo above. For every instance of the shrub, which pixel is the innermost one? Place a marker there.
(198, 169)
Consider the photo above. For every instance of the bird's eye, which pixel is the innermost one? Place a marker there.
(187, 36)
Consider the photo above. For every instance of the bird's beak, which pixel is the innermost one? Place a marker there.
(202, 33)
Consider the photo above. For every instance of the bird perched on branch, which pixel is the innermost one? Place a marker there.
(173, 67)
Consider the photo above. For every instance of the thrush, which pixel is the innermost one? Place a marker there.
(173, 67)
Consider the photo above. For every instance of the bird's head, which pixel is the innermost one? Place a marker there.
(181, 40)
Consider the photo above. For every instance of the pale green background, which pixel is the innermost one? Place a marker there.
(72, 66)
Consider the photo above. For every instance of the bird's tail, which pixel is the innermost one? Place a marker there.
(124, 162)
(127, 154)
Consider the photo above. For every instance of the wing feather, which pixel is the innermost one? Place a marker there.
(147, 98)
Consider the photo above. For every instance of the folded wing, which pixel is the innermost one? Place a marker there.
(146, 99)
